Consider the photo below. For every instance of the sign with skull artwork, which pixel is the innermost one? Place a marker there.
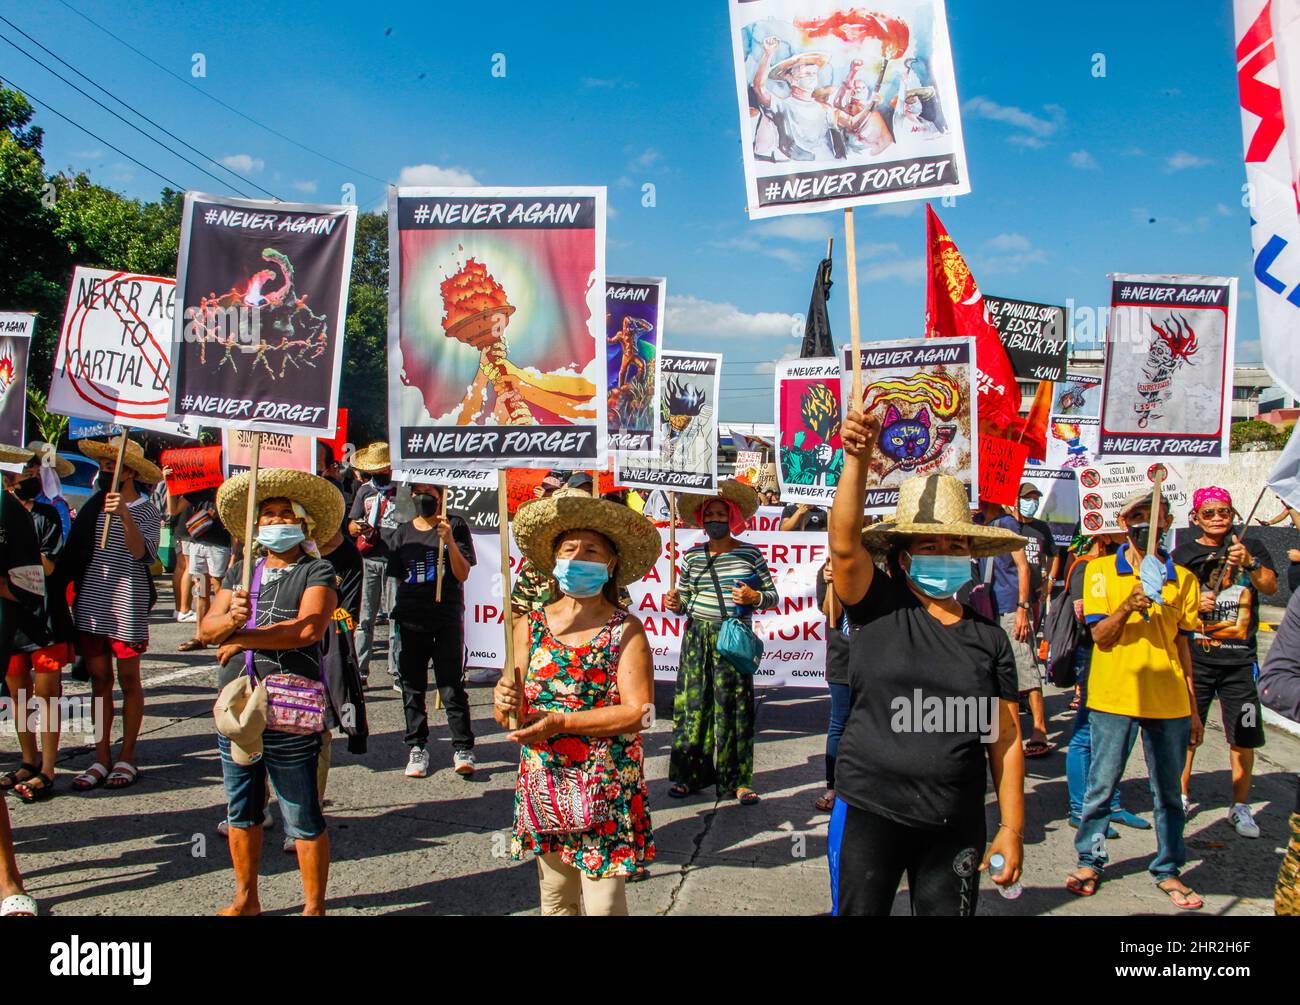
(1169, 359)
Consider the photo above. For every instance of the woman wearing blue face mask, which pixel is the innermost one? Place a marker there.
(933, 701)
(581, 691)
(713, 707)
(293, 599)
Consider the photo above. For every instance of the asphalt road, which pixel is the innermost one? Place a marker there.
(440, 845)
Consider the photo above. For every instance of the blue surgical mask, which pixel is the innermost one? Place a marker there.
(1028, 507)
(280, 537)
(581, 579)
(940, 576)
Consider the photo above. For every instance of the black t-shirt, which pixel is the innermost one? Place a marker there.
(837, 638)
(894, 759)
(216, 533)
(49, 529)
(279, 598)
(1230, 629)
(23, 624)
(814, 520)
(413, 562)
(346, 561)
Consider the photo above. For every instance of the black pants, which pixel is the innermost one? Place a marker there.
(869, 855)
(446, 648)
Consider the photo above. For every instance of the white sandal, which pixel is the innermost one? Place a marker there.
(92, 778)
(18, 906)
(127, 774)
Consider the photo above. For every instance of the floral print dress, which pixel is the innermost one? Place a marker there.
(563, 678)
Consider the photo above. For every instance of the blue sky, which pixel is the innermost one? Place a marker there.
(1073, 175)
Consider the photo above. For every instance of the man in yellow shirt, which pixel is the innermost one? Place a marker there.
(1140, 681)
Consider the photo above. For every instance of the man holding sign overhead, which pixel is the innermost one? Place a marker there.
(1140, 681)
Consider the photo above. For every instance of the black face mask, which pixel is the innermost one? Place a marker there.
(425, 504)
(383, 481)
(28, 489)
(104, 483)
(717, 529)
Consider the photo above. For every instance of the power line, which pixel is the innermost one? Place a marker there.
(190, 84)
(49, 108)
(124, 104)
(120, 117)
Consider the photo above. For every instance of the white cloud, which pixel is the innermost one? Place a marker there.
(1030, 142)
(245, 163)
(610, 212)
(1084, 161)
(807, 227)
(433, 176)
(1183, 160)
(1008, 242)
(305, 186)
(898, 210)
(769, 366)
(647, 158)
(696, 318)
(1038, 126)
(1223, 210)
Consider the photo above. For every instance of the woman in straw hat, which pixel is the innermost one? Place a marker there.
(371, 519)
(292, 604)
(713, 707)
(587, 684)
(114, 594)
(933, 698)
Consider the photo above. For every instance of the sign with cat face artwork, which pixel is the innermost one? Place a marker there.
(923, 391)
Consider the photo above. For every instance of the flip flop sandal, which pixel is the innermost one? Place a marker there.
(92, 778)
(1082, 886)
(10, 778)
(825, 803)
(190, 646)
(678, 791)
(125, 774)
(1187, 894)
(18, 906)
(747, 797)
(1038, 748)
(29, 794)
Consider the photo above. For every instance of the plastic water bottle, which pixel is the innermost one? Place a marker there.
(996, 864)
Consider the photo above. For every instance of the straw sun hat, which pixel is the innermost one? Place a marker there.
(134, 458)
(62, 466)
(14, 455)
(372, 458)
(540, 521)
(937, 504)
(745, 498)
(322, 501)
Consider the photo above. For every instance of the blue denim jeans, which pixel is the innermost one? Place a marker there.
(290, 761)
(839, 719)
(1078, 756)
(1164, 741)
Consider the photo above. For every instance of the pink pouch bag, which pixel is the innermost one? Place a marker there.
(294, 704)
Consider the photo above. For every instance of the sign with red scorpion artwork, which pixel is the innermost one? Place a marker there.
(496, 327)
(262, 295)
(1169, 358)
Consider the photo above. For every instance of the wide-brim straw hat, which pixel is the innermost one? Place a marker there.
(937, 504)
(373, 458)
(744, 496)
(62, 466)
(145, 470)
(540, 521)
(14, 455)
(322, 501)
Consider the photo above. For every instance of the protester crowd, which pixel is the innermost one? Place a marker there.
(937, 600)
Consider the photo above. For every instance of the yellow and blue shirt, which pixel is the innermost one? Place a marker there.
(1141, 675)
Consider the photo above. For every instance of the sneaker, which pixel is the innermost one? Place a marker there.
(464, 763)
(1243, 820)
(187, 617)
(1130, 820)
(417, 766)
(1187, 805)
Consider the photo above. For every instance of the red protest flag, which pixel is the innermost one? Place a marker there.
(954, 308)
(340, 440)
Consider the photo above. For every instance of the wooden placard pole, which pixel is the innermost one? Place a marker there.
(1153, 532)
(117, 477)
(442, 549)
(855, 336)
(250, 512)
(672, 540)
(503, 520)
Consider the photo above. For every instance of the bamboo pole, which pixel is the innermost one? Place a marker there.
(117, 477)
(250, 512)
(442, 549)
(503, 519)
(672, 540)
(855, 335)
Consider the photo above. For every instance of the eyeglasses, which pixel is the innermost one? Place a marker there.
(1224, 514)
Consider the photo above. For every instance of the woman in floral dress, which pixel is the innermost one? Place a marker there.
(581, 691)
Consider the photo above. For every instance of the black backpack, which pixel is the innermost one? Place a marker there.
(1064, 635)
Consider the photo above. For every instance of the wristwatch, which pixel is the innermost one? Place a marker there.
(1024, 605)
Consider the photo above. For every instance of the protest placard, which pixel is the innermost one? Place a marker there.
(1002, 462)
(262, 291)
(749, 465)
(808, 416)
(688, 435)
(1079, 394)
(923, 391)
(15, 344)
(192, 469)
(1169, 359)
(1072, 441)
(113, 361)
(1036, 336)
(1059, 506)
(634, 320)
(496, 335)
(1104, 487)
(278, 450)
(841, 108)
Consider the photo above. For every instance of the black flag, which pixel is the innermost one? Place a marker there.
(817, 328)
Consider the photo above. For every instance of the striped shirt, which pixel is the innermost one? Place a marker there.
(696, 584)
(113, 596)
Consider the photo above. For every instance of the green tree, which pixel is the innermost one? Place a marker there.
(364, 392)
(1253, 434)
